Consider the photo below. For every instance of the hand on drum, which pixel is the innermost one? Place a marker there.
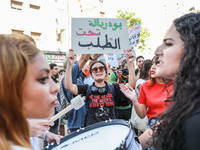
(38, 127)
(51, 137)
(128, 92)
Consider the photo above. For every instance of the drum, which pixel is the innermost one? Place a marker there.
(108, 135)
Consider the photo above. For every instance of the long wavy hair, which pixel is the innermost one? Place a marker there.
(16, 54)
(169, 135)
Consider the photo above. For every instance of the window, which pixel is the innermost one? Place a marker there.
(101, 1)
(34, 7)
(16, 5)
(59, 37)
(17, 31)
(102, 14)
(36, 36)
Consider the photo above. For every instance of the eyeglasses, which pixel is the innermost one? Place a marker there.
(101, 69)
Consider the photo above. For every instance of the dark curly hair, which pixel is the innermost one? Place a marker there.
(169, 134)
(144, 69)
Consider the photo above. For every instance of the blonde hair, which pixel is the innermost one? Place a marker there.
(16, 54)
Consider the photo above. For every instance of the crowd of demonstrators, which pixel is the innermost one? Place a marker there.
(123, 104)
(139, 61)
(30, 87)
(170, 99)
(100, 97)
(145, 74)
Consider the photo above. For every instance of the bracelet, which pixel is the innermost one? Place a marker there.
(95, 58)
(44, 137)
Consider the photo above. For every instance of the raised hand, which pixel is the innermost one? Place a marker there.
(71, 57)
(130, 57)
(128, 92)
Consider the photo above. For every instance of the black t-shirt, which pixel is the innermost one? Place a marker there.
(192, 130)
(100, 107)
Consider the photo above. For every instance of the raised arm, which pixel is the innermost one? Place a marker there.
(68, 76)
(94, 58)
(131, 79)
(83, 60)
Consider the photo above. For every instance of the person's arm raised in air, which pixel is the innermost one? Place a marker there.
(140, 109)
(131, 79)
(68, 76)
(83, 60)
(93, 59)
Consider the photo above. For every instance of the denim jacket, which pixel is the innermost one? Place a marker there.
(76, 118)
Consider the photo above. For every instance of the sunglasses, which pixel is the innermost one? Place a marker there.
(101, 69)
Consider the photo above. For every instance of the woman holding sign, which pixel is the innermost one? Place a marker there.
(100, 97)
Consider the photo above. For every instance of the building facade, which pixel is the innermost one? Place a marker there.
(48, 22)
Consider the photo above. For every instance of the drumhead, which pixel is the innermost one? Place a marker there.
(106, 135)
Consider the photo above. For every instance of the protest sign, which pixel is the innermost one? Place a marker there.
(111, 59)
(99, 36)
(119, 57)
(134, 35)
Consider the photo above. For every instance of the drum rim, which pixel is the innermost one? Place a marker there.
(94, 126)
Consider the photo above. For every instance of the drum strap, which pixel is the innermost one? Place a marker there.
(112, 90)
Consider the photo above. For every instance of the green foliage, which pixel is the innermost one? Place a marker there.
(132, 21)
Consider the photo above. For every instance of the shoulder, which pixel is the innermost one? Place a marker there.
(82, 89)
(140, 81)
(192, 130)
(113, 74)
(16, 147)
(194, 115)
(83, 86)
(76, 66)
(145, 83)
(115, 85)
